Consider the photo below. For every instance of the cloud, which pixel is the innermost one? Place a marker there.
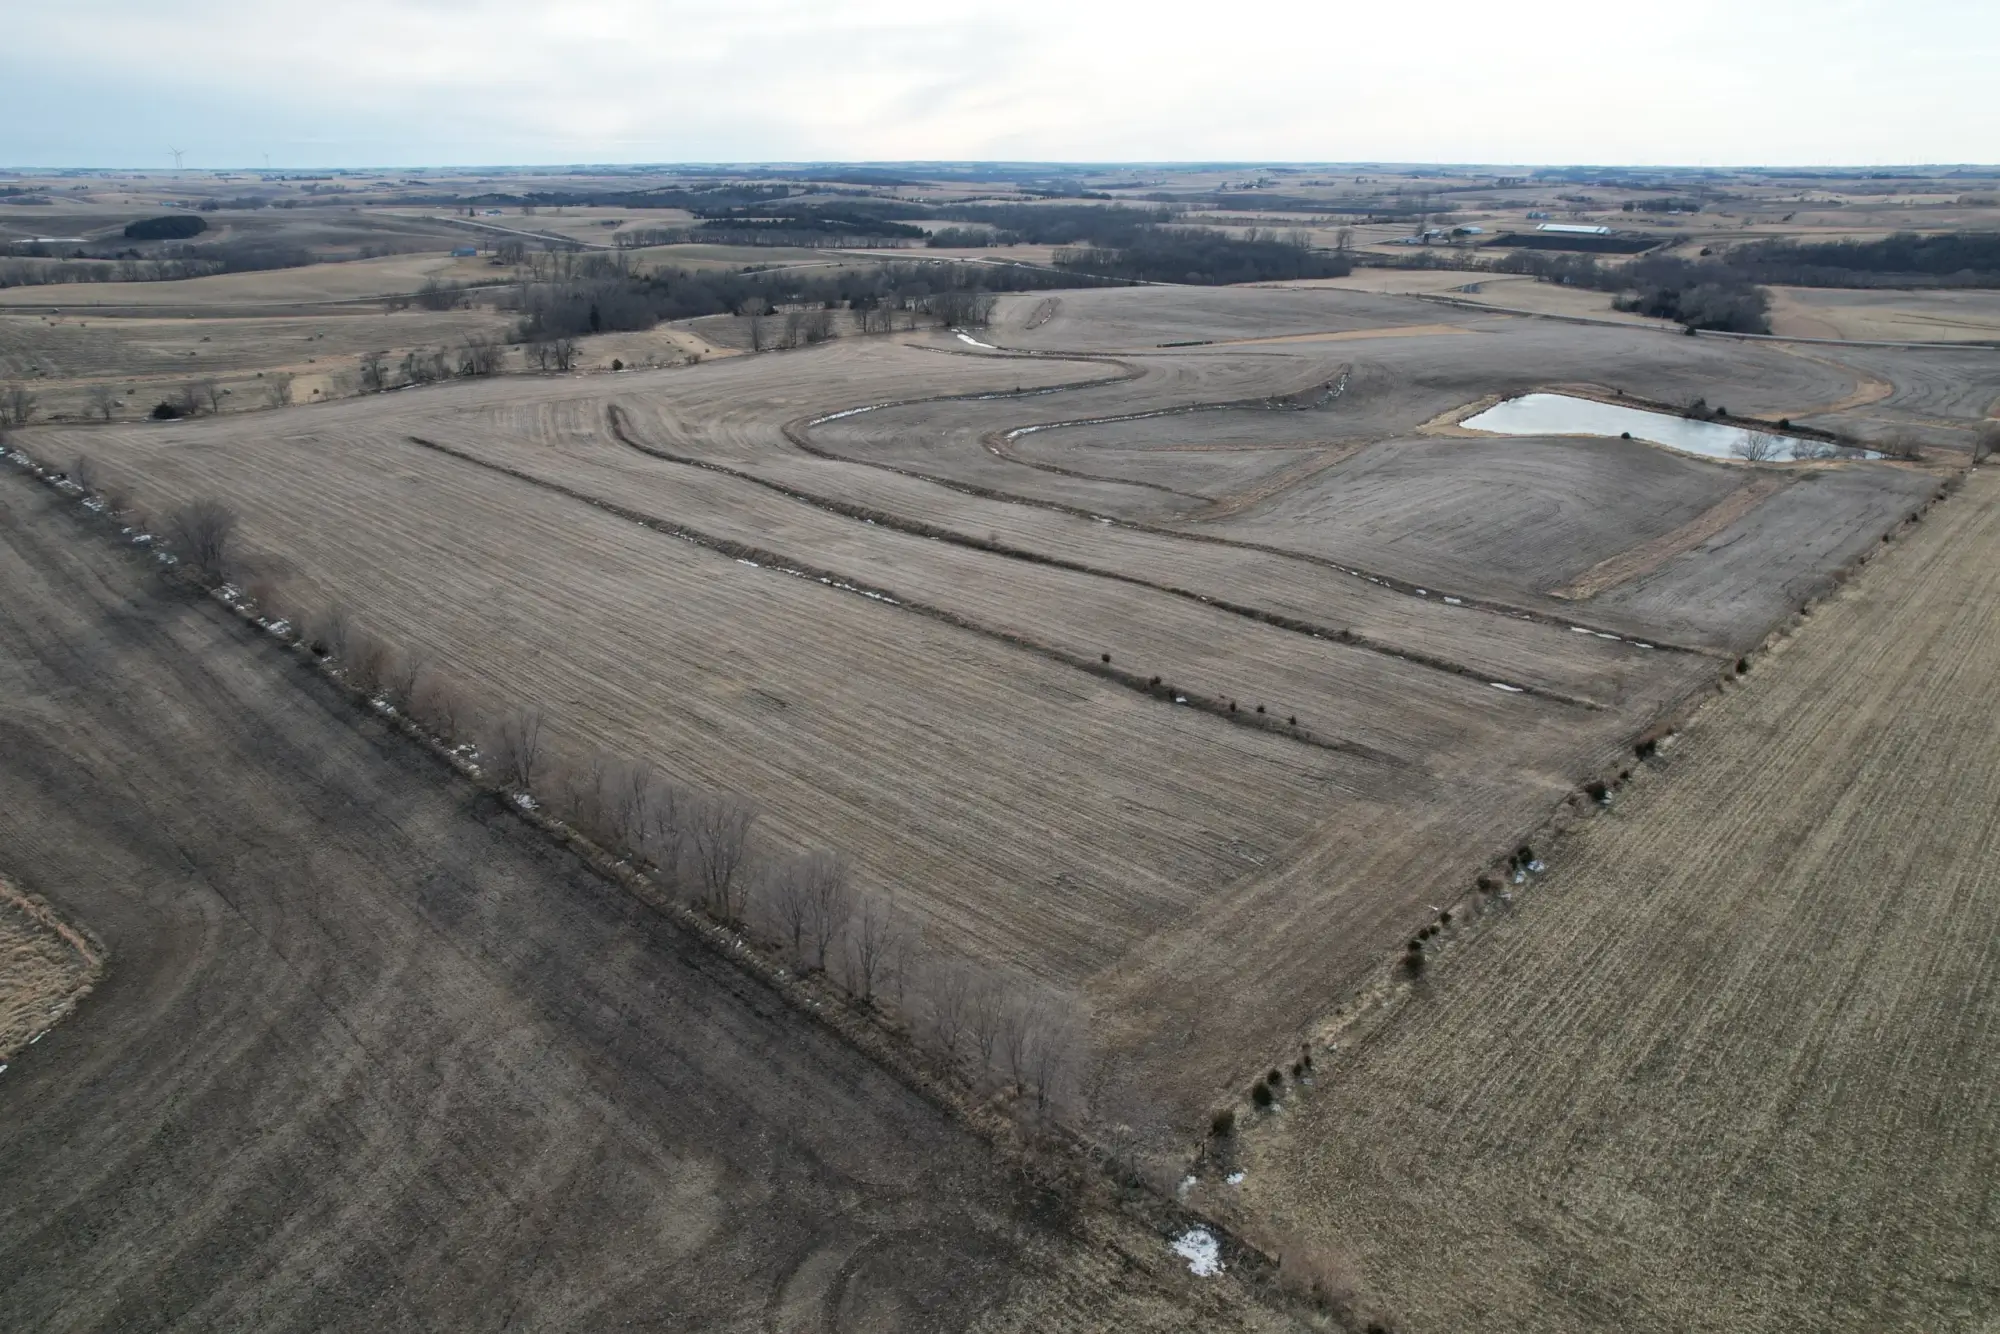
(416, 82)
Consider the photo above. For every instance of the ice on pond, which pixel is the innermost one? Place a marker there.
(1565, 414)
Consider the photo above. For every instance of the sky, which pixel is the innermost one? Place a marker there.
(404, 83)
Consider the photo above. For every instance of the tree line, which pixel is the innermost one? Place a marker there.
(939, 289)
(1697, 294)
(1906, 259)
(1201, 255)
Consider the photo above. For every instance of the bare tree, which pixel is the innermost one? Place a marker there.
(947, 992)
(759, 336)
(1022, 1020)
(514, 749)
(870, 946)
(211, 395)
(829, 904)
(481, 356)
(1804, 450)
(793, 890)
(663, 841)
(278, 388)
(374, 368)
(84, 473)
(441, 706)
(719, 828)
(201, 532)
(1756, 447)
(368, 662)
(189, 400)
(404, 681)
(562, 353)
(17, 405)
(1052, 1062)
(629, 802)
(985, 1010)
(331, 631)
(103, 400)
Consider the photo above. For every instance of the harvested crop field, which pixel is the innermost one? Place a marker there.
(1719, 1070)
(1322, 711)
(372, 1053)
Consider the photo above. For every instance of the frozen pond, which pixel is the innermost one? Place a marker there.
(1562, 414)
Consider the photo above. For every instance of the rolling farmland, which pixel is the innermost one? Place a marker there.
(371, 1052)
(1029, 709)
(1717, 1070)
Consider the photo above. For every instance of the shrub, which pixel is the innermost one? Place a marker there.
(1597, 791)
(1223, 1124)
(1260, 1093)
(1742, 666)
(164, 411)
(1276, 1078)
(1645, 747)
(1106, 656)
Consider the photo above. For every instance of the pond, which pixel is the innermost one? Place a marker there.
(1564, 414)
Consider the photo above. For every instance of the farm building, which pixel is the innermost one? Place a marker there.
(1574, 229)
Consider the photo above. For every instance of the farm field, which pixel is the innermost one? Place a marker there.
(1712, 1072)
(371, 1052)
(614, 549)
(1892, 316)
(314, 284)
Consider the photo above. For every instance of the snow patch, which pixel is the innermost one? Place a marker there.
(1512, 690)
(968, 338)
(1200, 1249)
(1455, 602)
(1235, 1178)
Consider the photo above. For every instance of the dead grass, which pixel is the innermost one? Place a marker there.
(46, 967)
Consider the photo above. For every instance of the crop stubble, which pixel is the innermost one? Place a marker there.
(372, 1054)
(1724, 1069)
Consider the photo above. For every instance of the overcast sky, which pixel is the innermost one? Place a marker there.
(438, 82)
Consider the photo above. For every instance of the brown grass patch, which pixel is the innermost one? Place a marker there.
(46, 967)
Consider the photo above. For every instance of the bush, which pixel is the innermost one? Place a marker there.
(164, 411)
(1223, 1124)
(1260, 1093)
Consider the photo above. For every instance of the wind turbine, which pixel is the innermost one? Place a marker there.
(177, 157)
